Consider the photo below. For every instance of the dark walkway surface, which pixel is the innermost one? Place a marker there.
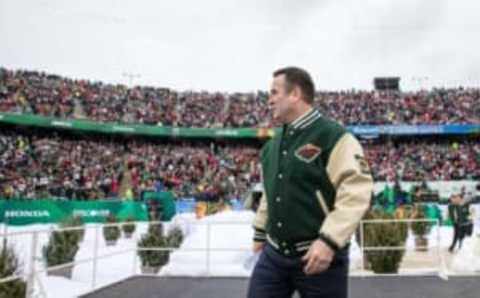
(360, 287)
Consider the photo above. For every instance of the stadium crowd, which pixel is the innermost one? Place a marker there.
(40, 164)
(53, 165)
(52, 95)
(419, 159)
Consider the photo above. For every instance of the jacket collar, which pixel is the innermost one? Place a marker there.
(305, 120)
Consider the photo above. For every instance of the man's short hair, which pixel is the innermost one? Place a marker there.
(295, 76)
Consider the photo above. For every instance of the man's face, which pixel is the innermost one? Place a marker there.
(280, 100)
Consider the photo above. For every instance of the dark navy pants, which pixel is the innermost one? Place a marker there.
(277, 276)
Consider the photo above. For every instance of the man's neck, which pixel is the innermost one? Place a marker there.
(301, 113)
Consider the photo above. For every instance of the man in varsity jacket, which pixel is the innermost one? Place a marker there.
(317, 187)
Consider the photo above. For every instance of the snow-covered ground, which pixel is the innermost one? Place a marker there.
(229, 231)
(467, 260)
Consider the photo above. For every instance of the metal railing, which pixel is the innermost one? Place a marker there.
(32, 274)
(442, 267)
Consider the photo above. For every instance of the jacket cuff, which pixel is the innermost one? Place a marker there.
(259, 235)
(332, 244)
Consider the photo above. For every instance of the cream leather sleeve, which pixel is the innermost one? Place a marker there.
(350, 175)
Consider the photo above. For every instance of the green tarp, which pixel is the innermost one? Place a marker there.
(163, 201)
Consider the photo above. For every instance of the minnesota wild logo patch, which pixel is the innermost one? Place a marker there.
(308, 152)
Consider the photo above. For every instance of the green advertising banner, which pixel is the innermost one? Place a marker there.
(135, 129)
(25, 212)
(32, 212)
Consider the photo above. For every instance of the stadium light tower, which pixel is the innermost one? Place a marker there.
(425, 83)
(130, 76)
(420, 82)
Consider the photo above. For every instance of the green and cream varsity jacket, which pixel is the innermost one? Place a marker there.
(459, 214)
(317, 184)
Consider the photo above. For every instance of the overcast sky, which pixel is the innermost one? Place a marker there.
(232, 45)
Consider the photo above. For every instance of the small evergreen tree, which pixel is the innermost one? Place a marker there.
(384, 234)
(153, 239)
(129, 226)
(76, 221)
(62, 246)
(111, 233)
(9, 266)
(175, 237)
(420, 228)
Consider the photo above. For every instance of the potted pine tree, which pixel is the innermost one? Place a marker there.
(384, 234)
(420, 229)
(153, 260)
(129, 227)
(9, 266)
(77, 222)
(111, 233)
(175, 237)
(61, 249)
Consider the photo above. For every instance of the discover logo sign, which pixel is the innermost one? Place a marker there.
(91, 213)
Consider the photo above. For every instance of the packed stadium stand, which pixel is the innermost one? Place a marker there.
(40, 163)
(52, 95)
(72, 141)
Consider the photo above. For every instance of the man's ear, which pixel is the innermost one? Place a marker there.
(296, 93)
